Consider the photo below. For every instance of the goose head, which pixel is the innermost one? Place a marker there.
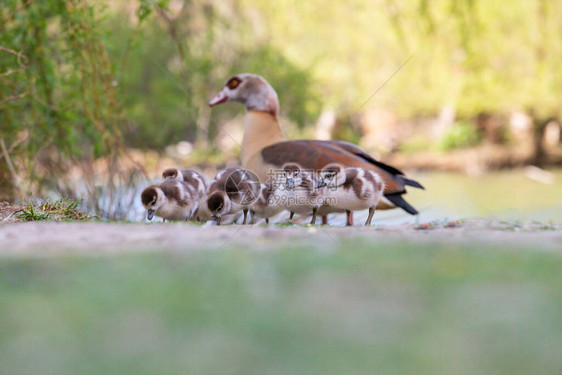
(152, 199)
(331, 176)
(251, 90)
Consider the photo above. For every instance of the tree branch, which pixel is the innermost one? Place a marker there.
(10, 72)
(19, 55)
(14, 12)
(13, 146)
(13, 97)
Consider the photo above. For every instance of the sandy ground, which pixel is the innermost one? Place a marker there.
(94, 238)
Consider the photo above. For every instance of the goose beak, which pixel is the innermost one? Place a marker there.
(290, 183)
(216, 219)
(320, 184)
(220, 98)
(150, 214)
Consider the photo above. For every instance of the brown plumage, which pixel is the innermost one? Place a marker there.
(350, 189)
(232, 190)
(189, 176)
(171, 189)
(311, 154)
(198, 182)
(265, 149)
(171, 200)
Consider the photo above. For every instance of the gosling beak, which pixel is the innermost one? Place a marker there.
(290, 183)
(320, 183)
(150, 214)
(216, 219)
(220, 98)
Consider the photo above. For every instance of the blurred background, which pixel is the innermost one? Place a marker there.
(98, 97)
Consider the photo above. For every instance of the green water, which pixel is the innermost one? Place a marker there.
(505, 195)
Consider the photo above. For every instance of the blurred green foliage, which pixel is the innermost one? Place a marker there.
(461, 134)
(58, 66)
(57, 97)
(474, 55)
(176, 61)
(415, 144)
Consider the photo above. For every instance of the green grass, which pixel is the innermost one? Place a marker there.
(59, 210)
(398, 309)
(31, 213)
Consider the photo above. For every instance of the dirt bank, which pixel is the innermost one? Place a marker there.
(49, 238)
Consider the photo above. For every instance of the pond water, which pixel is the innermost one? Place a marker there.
(509, 195)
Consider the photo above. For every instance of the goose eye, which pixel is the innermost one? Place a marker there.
(233, 83)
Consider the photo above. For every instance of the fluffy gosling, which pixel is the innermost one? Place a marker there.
(233, 190)
(297, 191)
(351, 189)
(198, 182)
(171, 200)
(268, 204)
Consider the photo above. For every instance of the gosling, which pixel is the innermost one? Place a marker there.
(198, 182)
(233, 190)
(298, 193)
(171, 200)
(268, 204)
(350, 189)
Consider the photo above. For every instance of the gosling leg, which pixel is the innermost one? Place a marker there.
(314, 212)
(245, 216)
(370, 217)
(349, 221)
(291, 216)
(324, 219)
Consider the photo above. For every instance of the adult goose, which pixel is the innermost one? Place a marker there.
(265, 150)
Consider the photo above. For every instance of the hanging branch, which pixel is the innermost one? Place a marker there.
(20, 56)
(10, 72)
(14, 13)
(13, 97)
